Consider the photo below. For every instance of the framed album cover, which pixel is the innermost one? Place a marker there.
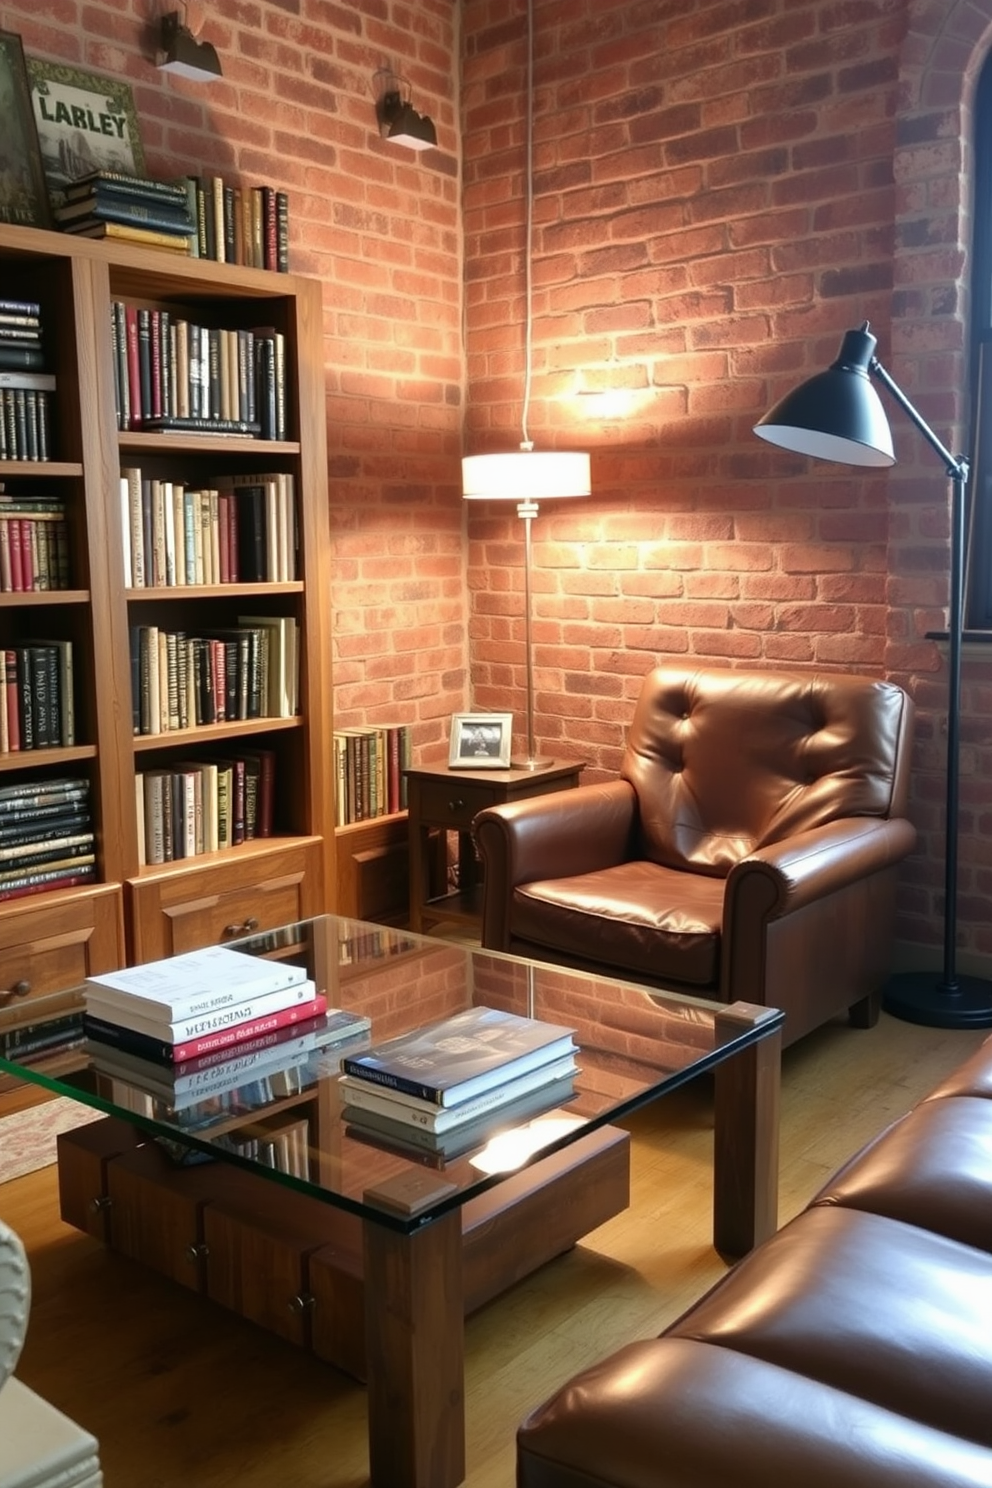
(23, 195)
(85, 123)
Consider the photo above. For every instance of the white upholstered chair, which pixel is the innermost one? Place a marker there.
(39, 1446)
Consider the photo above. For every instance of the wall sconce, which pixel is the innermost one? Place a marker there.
(399, 121)
(181, 53)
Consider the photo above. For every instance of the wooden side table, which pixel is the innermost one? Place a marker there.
(443, 800)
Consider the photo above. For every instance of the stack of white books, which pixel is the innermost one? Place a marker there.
(195, 1004)
(449, 1087)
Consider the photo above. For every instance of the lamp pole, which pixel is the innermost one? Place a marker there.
(527, 510)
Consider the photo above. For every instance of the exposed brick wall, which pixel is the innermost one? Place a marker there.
(722, 190)
(380, 227)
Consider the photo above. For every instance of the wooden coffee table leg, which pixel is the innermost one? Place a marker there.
(745, 1156)
(415, 1339)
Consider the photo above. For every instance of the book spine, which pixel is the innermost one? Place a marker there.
(390, 1081)
(192, 1048)
(105, 208)
(135, 1013)
(117, 183)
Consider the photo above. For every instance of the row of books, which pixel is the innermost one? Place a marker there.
(173, 374)
(240, 530)
(249, 670)
(110, 204)
(34, 545)
(46, 836)
(449, 1087)
(21, 348)
(236, 224)
(37, 706)
(368, 770)
(33, 1042)
(201, 806)
(25, 417)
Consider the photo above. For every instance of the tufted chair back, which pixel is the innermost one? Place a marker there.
(15, 1300)
(727, 762)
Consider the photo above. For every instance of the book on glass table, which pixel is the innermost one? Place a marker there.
(195, 982)
(410, 1110)
(458, 1058)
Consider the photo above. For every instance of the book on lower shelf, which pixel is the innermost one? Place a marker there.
(457, 1058)
(418, 1141)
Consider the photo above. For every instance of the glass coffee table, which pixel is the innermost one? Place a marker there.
(408, 1206)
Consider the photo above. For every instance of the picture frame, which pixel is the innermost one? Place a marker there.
(23, 190)
(480, 741)
(85, 122)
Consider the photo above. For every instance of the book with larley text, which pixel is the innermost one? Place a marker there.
(196, 982)
(459, 1057)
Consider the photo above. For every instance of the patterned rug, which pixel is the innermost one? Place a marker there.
(27, 1138)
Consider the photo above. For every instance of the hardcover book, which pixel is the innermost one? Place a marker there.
(468, 1134)
(178, 1027)
(167, 1052)
(196, 982)
(409, 1110)
(459, 1057)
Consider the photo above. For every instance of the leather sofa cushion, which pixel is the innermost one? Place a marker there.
(638, 917)
(670, 1413)
(973, 1077)
(898, 1316)
(933, 1168)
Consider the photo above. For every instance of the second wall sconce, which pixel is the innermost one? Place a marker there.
(181, 53)
(399, 121)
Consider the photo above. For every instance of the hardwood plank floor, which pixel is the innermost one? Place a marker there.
(183, 1395)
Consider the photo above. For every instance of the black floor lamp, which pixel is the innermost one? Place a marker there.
(837, 415)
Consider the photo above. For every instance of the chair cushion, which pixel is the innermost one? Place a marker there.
(638, 917)
(15, 1299)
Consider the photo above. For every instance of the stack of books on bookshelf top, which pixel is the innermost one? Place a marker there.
(195, 1004)
(110, 204)
(451, 1086)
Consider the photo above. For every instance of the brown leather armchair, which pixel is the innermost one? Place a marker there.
(748, 851)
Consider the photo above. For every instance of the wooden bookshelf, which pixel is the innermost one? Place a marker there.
(134, 912)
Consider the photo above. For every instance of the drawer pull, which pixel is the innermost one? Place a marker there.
(456, 805)
(302, 1302)
(249, 925)
(19, 989)
(99, 1204)
(195, 1253)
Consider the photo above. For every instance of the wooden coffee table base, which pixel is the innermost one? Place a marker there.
(385, 1307)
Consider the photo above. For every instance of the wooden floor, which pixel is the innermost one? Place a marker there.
(184, 1395)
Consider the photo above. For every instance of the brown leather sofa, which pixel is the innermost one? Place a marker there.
(749, 850)
(851, 1350)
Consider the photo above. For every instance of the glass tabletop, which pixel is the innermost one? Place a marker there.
(277, 1105)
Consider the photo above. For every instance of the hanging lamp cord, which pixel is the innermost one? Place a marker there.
(527, 443)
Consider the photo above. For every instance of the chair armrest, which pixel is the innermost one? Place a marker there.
(552, 836)
(813, 864)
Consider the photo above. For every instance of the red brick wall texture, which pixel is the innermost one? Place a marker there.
(722, 187)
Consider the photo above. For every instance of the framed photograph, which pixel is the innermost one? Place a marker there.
(480, 741)
(84, 122)
(23, 196)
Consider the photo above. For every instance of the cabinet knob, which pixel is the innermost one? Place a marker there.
(19, 989)
(101, 1202)
(302, 1302)
(245, 928)
(197, 1252)
(456, 805)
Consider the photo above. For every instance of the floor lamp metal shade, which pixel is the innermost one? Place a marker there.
(527, 477)
(837, 415)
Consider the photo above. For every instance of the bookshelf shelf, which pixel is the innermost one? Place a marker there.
(145, 911)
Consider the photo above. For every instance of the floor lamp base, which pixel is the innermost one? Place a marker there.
(920, 997)
(531, 764)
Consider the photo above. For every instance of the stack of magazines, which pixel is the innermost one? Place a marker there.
(110, 204)
(198, 1003)
(451, 1086)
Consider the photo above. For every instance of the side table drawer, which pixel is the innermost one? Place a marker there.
(454, 804)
